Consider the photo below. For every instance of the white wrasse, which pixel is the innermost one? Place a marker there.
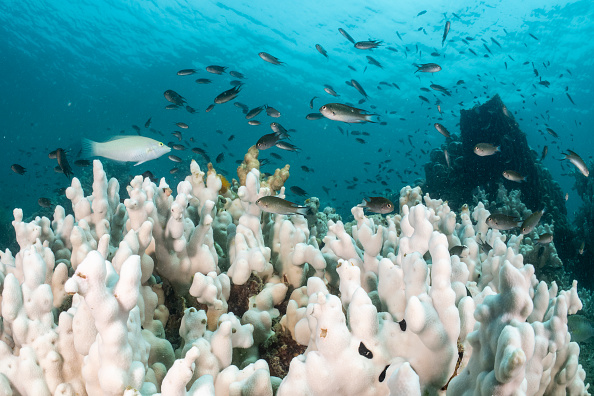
(137, 149)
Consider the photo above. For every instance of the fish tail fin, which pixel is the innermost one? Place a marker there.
(89, 148)
(363, 204)
(305, 211)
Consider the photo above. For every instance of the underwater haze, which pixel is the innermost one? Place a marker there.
(88, 69)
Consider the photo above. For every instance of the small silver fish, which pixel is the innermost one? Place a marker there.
(441, 129)
(254, 112)
(281, 206)
(359, 88)
(377, 205)
(345, 113)
(314, 116)
(514, 176)
(272, 112)
(346, 35)
(228, 95)
(269, 58)
(502, 222)
(186, 72)
(531, 222)
(445, 32)
(485, 149)
(214, 69)
(368, 44)
(545, 239)
(577, 161)
(428, 68)
(321, 50)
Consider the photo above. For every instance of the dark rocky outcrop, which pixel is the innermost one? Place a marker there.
(489, 123)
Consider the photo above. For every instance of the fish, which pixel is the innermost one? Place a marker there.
(190, 109)
(359, 88)
(531, 222)
(203, 81)
(441, 129)
(440, 89)
(311, 102)
(269, 58)
(569, 97)
(506, 112)
(236, 74)
(83, 162)
(545, 150)
(345, 113)
(254, 112)
(228, 95)
(552, 133)
(346, 35)
(582, 247)
(278, 128)
(148, 122)
(398, 34)
(174, 97)
(63, 163)
(545, 238)
(379, 205)
(243, 107)
(422, 12)
(488, 50)
(137, 149)
(321, 50)
(174, 158)
(330, 90)
(281, 144)
(44, 202)
(18, 169)
(186, 72)
(276, 205)
(533, 36)
(368, 44)
(178, 147)
(485, 149)
(220, 158)
(447, 157)
(267, 141)
(580, 328)
(499, 221)
(577, 161)
(210, 107)
(182, 125)
(215, 69)
(459, 251)
(272, 112)
(495, 42)
(373, 61)
(298, 191)
(254, 122)
(445, 32)
(514, 176)
(314, 116)
(428, 67)
(472, 52)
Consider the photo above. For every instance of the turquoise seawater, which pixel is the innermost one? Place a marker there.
(87, 69)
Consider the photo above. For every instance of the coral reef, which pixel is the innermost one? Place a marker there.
(378, 307)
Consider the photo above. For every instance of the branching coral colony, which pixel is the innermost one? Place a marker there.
(381, 309)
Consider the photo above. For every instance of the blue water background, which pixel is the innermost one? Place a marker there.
(74, 69)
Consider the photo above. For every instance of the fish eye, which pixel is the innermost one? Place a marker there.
(160, 144)
(323, 107)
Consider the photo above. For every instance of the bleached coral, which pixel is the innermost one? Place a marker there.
(409, 318)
